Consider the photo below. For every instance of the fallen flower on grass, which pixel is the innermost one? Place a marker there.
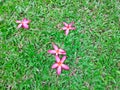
(68, 27)
(23, 23)
(59, 64)
(56, 51)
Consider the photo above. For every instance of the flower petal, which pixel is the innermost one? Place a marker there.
(55, 65)
(66, 67)
(73, 28)
(71, 23)
(65, 23)
(26, 21)
(59, 70)
(25, 26)
(55, 46)
(51, 51)
(19, 26)
(64, 28)
(63, 59)
(18, 21)
(66, 32)
(57, 58)
(62, 51)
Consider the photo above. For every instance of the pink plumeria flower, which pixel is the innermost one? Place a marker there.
(56, 51)
(24, 23)
(59, 64)
(68, 27)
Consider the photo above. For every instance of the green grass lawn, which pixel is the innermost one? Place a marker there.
(93, 49)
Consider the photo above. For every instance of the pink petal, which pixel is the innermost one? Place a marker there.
(65, 23)
(51, 51)
(59, 70)
(26, 21)
(66, 32)
(73, 28)
(71, 23)
(25, 26)
(62, 51)
(64, 28)
(19, 26)
(66, 67)
(55, 46)
(63, 59)
(18, 21)
(55, 65)
(57, 58)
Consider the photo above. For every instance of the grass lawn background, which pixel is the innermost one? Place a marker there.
(93, 49)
